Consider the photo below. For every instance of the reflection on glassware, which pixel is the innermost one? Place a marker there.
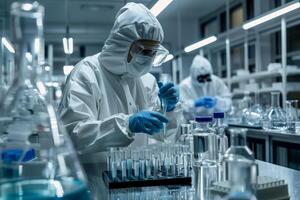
(275, 119)
(292, 115)
(37, 148)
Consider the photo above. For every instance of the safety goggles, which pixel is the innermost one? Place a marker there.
(204, 78)
(156, 51)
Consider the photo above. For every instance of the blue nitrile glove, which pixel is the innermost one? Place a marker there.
(169, 95)
(207, 102)
(147, 122)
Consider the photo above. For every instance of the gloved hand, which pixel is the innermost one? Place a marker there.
(146, 122)
(169, 95)
(207, 102)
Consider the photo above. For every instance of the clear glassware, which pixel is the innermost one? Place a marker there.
(23, 100)
(238, 151)
(275, 119)
(242, 185)
(255, 113)
(292, 115)
(164, 78)
(204, 165)
(186, 137)
(43, 162)
(204, 139)
(234, 115)
(245, 106)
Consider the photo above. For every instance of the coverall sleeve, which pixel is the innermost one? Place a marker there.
(79, 113)
(187, 103)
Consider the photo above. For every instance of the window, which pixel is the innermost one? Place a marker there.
(236, 16)
(209, 27)
(250, 9)
(237, 58)
(223, 22)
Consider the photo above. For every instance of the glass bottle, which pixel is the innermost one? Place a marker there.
(238, 151)
(292, 115)
(254, 115)
(222, 142)
(186, 137)
(204, 165)
(275, 119)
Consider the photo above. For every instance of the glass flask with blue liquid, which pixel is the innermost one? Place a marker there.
(37, 159)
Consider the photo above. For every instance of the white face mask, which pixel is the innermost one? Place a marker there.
(139, 65)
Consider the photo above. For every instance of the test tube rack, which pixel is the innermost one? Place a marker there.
(118, 182)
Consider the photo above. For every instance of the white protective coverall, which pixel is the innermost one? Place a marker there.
(191, 89)
(100, 94)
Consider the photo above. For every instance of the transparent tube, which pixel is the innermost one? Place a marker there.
(136, 164)
(164, 78)
(142, 165)
(129, 162)
(292, 115)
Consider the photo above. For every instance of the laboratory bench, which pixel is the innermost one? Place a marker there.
(275, 147)
(99, 191)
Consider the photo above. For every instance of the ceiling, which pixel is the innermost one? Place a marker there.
(191, 8)
(90, 21)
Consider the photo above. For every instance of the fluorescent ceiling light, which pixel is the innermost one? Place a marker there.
(271, 15)
(68, 45)
(37, 45)
(68, 69)
(27, 6)
(168, 58)
(200, 44)
(159, 6)
(8, 45)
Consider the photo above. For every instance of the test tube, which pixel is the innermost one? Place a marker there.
(155, 161)
(136, 164)
(142, 165)
(166, 160)
(179, 160)
(187, 161)
(114, 166)
(123, 165)
(148, 163)
(129, 163)
(292, 115)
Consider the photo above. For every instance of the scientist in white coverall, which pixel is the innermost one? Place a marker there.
(111, 99)
(202, 92)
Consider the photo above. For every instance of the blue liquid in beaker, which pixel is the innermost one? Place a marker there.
(43, 189)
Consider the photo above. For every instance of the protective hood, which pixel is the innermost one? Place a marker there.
(133, 22)
(200, 66)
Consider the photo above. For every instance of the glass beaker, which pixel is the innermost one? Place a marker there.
(292, 115)
(275, 119)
